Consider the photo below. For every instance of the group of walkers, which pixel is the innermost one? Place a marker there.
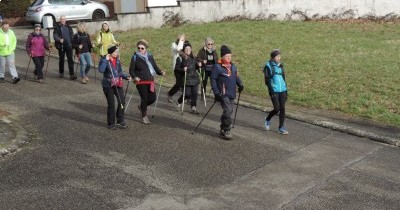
(190, 71)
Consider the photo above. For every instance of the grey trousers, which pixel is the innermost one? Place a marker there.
(10, 61)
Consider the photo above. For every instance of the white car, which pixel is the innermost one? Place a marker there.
(71, 9)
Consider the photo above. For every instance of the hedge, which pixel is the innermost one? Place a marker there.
(14, 8)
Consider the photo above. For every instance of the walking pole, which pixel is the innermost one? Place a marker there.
(76, 70)
(204, 117)
(184, 92)
(202, 90)
(47, 65)
(29, 63)
(155, 104)
(94, 68)
(119, 97)
(126, 91)
(237, 106)
(130, 98)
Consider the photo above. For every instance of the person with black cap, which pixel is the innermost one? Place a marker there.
(112, 83)
(142, 69)
(36, 46)
(187, 64)
(274, 77)
(224, 79)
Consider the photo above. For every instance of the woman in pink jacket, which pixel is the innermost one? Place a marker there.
(36, 46)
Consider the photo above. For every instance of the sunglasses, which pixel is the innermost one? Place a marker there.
(140, 48)
(37, 29)
(210, 44)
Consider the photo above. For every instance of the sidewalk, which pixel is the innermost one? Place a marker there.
(12, 136)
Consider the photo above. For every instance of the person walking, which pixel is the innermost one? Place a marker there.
(176, 49)
(112, 83)
(36, 46)
(208, 56)
(224, 79)
(105, 38)
(83, 46)
(187, 64)
(142, 69)
(8, 43)
(274, 77)
(63, 41)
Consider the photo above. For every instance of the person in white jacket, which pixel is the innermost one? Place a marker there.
(176, 49)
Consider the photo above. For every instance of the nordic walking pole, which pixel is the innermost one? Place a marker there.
(130, 98)
(237, 106)
(119, 97)
(126, 91)
(94, 68)
(184, 91)
(155, 104)
(204, 117)
(202, 89)
(29, 63)
(76, 70)
(47, 65)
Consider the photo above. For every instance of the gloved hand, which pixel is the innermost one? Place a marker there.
(218, 97)
(240, 89)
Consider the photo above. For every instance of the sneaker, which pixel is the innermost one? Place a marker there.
(170, 99)
(145, 120)
(41, 81)
(122, 125)
(225, 134)
(112, 127)
(73, 77)
(267, 124)
(16, 80)
(194, 110)
(2, 80)
(283, 131)
(86, 78)
(83, 81)
(178, 107)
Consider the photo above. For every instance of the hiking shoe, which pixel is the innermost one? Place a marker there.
(83, 81)
(178, 107)
(41, 81)
(170, 99)
(16, 80)
(73, 77)
(86, 78)
(122, 125)
(267, 124)
(2, 80)
(194, 110)
(283, 131)
(112, 127)
(145, 120)
(225, 134)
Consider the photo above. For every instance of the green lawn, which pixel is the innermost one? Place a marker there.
(353, 68)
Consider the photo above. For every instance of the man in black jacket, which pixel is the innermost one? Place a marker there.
(63, 41)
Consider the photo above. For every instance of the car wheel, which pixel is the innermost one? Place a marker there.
(98, 15)
(52, 17)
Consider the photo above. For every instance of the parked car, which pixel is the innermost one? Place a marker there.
(71, 9)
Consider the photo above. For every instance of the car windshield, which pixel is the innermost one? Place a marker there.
(37, 3)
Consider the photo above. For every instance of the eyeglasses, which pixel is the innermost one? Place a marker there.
(140, 48)
(37, 29)
(210, 44)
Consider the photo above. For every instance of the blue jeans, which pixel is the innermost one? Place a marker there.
(85, 59)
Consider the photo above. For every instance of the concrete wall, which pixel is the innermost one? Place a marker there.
(210, 10)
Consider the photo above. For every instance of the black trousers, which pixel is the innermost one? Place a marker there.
(111, 93)
(178, 83)
(278, 101)
(147, 97)
(62, 52)
(190, 93)
(206, 76)
(39, 63)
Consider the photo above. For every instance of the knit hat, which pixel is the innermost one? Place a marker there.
(186, 44)
(37, 26)
(112, 49)
(143, 42)
(225, 50)
(275, 53)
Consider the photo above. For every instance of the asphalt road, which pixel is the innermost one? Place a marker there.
(75, 162)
